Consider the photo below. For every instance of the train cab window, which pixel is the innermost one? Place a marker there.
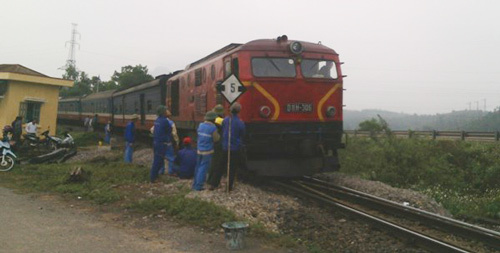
(212, 72)
(236, 68)
(318, 69)
(273, 67)
(197, 77)
(227, 69)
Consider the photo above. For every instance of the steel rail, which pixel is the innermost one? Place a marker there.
(425, 241)
(466, 230)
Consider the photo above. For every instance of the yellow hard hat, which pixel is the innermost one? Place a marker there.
(218, 121)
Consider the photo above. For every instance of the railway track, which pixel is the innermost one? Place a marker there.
(430, 231)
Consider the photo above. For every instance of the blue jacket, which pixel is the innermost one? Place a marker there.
(163, 130)
(237, 132)
(206, 136)
(130, 132)
(186, 158)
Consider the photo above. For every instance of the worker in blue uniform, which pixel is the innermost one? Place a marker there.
(217, 167)
(186, 160)
(233, 143)
(107, 133)
(170, 153)
(130, 138)
(207, 135)
(162, 138)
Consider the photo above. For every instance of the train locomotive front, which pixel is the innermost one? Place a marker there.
(292, 107)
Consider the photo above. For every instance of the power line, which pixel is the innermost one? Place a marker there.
(71, 55)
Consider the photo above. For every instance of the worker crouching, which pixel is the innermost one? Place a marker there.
(185, 160)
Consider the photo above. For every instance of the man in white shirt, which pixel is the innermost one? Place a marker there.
(31, 128)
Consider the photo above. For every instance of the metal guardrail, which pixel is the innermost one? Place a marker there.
(434, 134)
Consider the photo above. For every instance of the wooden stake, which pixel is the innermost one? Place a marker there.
(228, 153)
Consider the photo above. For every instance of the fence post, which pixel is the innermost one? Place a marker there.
(410, 134)
(497, 135)
(434, 134)
(462, 135)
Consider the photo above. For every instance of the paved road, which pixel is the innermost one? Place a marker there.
(30, 224)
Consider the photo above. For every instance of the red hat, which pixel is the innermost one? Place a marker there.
(186, 141)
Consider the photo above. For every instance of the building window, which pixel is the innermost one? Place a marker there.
(3, 87)
(30, 111)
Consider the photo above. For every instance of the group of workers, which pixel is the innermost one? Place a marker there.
(219, 143)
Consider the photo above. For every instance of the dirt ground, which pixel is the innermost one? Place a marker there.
(45, 223)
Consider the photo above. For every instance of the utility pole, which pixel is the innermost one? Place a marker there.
(71, 55)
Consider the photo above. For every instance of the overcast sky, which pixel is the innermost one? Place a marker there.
(424, 57)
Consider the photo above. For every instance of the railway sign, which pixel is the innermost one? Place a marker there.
(231, 88)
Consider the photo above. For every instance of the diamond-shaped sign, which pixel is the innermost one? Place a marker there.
(231, 89)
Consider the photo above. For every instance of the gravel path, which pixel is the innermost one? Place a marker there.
(39, 225)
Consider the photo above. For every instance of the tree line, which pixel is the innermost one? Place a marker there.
(467, 120)
(85, 85)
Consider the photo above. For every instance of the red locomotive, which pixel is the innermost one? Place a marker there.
(292, 106)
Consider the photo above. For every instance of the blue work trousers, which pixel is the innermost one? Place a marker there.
(170, 155)
(159, 149)
(107, 138)
(129, 151)
(200, 173)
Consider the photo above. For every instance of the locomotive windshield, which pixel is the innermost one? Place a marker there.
(273, 67)
(318, 69)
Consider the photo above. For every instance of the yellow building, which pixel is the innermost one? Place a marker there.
(32, 95)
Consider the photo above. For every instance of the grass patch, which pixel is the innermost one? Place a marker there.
(463, 176)
(189, 210)
(101, 188)
(86, 138)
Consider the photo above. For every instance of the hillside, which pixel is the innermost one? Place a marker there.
(453, 121)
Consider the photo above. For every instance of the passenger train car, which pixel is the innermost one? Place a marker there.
(141, 100)
(292, 106)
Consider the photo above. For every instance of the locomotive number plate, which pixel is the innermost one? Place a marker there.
(299, 107)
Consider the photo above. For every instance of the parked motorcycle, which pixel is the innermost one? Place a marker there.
(31, 140)
(55, 142)
(8, 158)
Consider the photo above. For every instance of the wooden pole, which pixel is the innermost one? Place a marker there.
(228, 153)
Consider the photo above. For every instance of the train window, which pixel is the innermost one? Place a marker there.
(212, 72)
(227, 69)
(149, 105)
(197, 77)
(273, 67)
(136, 107)
(318, 69)
(204, 75)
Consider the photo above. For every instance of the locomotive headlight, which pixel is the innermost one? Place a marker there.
(265, 111)
(296, 47)
(330, 111)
